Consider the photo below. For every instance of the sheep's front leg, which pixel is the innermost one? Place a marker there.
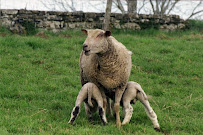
(150, 112)
(118, 96)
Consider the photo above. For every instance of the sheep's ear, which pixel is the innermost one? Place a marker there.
(107, 33)
(84, 31)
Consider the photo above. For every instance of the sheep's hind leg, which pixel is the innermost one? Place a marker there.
(109, 111)
(150, 112)
(88, 111)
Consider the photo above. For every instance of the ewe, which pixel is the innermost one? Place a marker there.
(107, 63)
(89, 93)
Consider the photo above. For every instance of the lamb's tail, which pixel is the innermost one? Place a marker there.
(143, 93)
(89, 95)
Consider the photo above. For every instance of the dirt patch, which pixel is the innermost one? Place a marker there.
(197, 36)
(3, 34)
(66, 36)
(163, 37)
(41, 35)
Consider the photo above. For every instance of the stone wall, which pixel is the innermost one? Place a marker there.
(57, 21)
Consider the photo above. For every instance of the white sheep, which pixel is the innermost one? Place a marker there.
(132, 93)
(89, 93)
(107, 63)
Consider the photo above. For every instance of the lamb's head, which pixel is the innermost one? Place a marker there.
(96, 41)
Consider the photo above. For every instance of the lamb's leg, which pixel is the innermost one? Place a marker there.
(128, 97)
(98, 97)
(74, 114)
(80, 98)
(101, 110)
(128, 111)
(150, 112)
(118, 96)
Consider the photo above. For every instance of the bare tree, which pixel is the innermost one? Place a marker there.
(161, 7)
(131, 5)
(106, 25)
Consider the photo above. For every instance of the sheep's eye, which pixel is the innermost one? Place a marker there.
(100, 35)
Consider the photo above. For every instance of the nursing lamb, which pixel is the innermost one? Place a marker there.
(89, 93)
(107, 63)
(132, 93)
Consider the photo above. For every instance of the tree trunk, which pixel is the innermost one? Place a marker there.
(132, 6)
(106, 25)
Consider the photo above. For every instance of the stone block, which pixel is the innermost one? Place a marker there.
(132, 26)
(181, 26)
(9, 12)
(90, 15)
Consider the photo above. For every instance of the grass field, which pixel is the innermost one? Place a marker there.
(40, 80)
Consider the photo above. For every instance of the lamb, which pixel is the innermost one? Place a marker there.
(89, 93)
(107, 63)
(132, 93)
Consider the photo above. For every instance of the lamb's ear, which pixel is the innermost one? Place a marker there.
(107, 33)
(84, 31)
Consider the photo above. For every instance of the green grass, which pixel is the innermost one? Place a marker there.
(40, 80)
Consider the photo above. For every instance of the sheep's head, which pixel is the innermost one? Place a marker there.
(96, 41)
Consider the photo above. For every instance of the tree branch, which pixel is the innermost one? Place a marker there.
(193, 12)
(120, 6)
(173, 5)
(143, 4)
(152, 6)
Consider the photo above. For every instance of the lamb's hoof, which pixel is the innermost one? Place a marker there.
(123, 123)
(105, 123)
(71, 123)
(157, 129)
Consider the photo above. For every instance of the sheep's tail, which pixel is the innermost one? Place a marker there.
(129, 52)
(89, 96)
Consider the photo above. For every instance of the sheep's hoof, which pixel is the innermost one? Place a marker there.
(118, 125)
(157, 129)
